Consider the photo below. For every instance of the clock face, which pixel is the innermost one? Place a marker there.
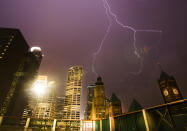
(165, 92)
(175, 91)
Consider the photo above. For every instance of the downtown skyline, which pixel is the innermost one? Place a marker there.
(70, 32)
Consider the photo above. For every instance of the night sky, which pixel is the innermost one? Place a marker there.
(70, 31)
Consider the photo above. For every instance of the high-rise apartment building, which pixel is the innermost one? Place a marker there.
(72, 105)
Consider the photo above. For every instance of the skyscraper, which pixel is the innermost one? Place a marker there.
(71, 111)
(90, 96)
(99, 104)
(59, 107)
(18, 67)
(31, 63)
(169, 88)
(42, 100)
(12, 50)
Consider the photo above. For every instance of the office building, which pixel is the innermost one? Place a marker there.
(18, 67)
(42, 100)
(90, 96)
(72, 105)
(59, 107)
(100, 103)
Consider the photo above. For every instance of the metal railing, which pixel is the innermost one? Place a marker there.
(166, 117)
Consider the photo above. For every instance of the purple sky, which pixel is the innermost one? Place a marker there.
(70, 31)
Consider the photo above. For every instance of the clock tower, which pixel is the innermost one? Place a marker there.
(169, 88)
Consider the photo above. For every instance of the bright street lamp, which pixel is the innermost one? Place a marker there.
(39, 88)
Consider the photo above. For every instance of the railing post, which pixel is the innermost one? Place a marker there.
(100, 125)
(27, 123)
(81, 129)
(145, 120)
(93, 125)
(112, 126)
(1, 120)
(54, 125)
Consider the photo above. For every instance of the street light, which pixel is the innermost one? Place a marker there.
(39, 88)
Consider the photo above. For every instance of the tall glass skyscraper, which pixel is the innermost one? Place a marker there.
(71, 111)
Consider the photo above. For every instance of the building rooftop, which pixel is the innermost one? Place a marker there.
(165, 76)
(114, 98)
(99, 81)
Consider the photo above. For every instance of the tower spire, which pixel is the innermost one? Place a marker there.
(99, 81)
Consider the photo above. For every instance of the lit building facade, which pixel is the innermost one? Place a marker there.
(59, 107)
(169, 88)
(99, 104)
(72, 105)
(42, 100)
(90, 96)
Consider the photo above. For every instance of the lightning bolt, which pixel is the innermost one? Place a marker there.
(113, 17)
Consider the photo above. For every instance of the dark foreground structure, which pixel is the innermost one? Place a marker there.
(18, 68)
(13, 48)
(166, 117)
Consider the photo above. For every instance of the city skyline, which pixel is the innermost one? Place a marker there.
(69, 32)
(93, 65)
